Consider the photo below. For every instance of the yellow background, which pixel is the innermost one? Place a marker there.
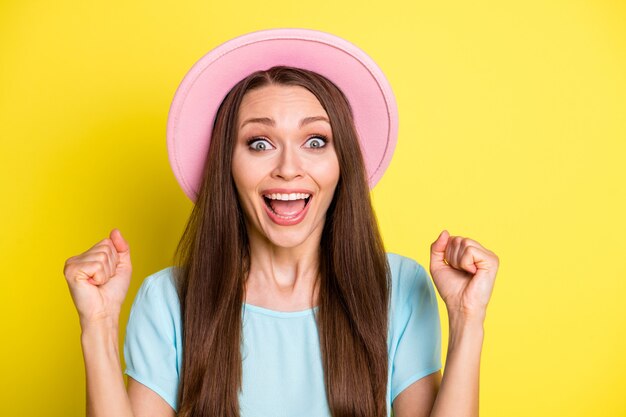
(512, 132)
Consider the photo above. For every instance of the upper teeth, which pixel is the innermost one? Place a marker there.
(292, 196)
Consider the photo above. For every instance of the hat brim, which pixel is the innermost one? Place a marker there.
(199, 95)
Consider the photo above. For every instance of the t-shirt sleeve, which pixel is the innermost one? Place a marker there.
(418, 352)
(149, 345)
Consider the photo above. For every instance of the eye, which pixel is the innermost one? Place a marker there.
(317, 141)
(259, 144)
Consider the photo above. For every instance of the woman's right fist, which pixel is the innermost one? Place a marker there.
(98, 279)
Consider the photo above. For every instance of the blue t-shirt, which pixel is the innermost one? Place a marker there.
(282, 365)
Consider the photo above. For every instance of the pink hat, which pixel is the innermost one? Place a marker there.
(199, 95)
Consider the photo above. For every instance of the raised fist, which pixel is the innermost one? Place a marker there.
(98, 279)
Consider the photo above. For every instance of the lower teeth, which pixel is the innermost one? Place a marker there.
(285, 217)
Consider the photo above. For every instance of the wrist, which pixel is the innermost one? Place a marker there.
(100, 324)
(104, 319)
(465, 331)
(466, 317)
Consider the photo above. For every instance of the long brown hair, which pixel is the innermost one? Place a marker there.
(213, 259)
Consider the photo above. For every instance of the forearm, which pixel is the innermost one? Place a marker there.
(458, 393)
(106, 392)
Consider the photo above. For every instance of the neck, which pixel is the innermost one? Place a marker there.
(283, 278)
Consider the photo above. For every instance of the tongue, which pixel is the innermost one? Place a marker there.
(287, 207)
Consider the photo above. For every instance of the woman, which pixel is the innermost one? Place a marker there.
(282, 296)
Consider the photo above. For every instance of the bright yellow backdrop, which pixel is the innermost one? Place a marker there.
(512, 132)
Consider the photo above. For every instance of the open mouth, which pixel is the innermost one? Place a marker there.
(286, 208)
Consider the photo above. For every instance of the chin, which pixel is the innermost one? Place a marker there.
(288, 239)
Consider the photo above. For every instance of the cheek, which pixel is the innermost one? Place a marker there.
(327, 171)
(239, 173)
(246, 183)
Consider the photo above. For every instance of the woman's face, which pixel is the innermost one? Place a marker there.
(284, 164)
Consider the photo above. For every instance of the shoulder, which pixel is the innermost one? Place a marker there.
(412, 293)
(157, 297)
(160, 284)
(407, 275)
(402, 265)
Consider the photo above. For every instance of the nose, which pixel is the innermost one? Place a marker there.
(289, 164)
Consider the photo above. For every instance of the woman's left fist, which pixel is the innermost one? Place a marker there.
(464, 273)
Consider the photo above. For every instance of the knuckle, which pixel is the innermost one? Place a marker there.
(109, 244)
(67, 271)
(466, 241)
(102, 256)
(71, 264)
(100, 266)
(107, 250)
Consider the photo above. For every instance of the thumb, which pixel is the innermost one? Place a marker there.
(118, 241)
(437, 249)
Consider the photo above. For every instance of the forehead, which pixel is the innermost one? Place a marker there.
(271, 97)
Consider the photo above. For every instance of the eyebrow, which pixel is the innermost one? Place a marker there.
(270, 122)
